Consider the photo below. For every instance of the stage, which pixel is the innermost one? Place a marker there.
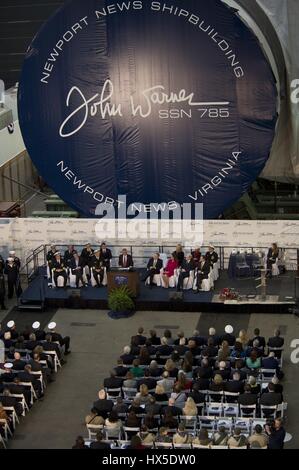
(280, 296)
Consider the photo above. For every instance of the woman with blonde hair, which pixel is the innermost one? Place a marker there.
(224, 352)
(242, 338)
(160, 394)
(143, 395)
(170, 367)
(190, 408)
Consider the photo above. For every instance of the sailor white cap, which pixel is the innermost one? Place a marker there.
(57, 253)
(229, 329)
(10, 259)
(97, 250)
(10, 324)
(8, 365)
(12, 252)
(36, 325)
(52, 325)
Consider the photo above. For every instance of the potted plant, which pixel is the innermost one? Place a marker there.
(120, 303)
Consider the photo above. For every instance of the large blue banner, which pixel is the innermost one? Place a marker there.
(164, 102)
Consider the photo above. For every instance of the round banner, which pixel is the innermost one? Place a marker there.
(155, 104)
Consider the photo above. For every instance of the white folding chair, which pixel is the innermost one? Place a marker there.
(266, 375)
(93, 429)
(182, 446)
(248, 411)
(128, 429)
(55, 358)
(129, 393)
(219, 447)
(238, 448)
(207, 422)
(227, 423)
(268, 411)
(2, 442)
(244, 424)
(21, 399)
(5, 428)
(113, 393)
(190, 422)
(163, 445)
(13, 414)
(230, 409)
(214, 409)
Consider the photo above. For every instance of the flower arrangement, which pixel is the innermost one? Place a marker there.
(228, 294)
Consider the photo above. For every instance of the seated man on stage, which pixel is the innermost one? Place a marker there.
(59, 269)
(76, 267)
(211, 256)
(154, 267)
(172, 265)
(97, 268)
(125, 260)
(203, 271)
(185, 271)
(272, 257)
(106, 255)
(87, 254)
(51, 254)
(68, 255)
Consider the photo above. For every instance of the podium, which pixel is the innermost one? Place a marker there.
(119, 278)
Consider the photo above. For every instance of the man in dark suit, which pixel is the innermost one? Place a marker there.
(98, 444)
(270, 362)
(236, 385)
(211, 256)
(154, 267)
(106, 255)
(205, 371)
(139, 339)
(68, 255)
(18, 364)
(26, 376)
(2, 291)
(16, 389)
(164, 349)
(57, 338)
(228, 335)
(271, 398)
(49, 345)
(59, 269)
(97, 267)
(247, 398)
(40, 334)
(127, 357)
(113, 381)
(103, 406)
(7, 400)
(86, 254)
(51, 254)
(171, 408)
(202, 272)
(223, 371)
(13, 278)
(187, 267)
(150, 382)
(261, 339)
(76, 266)
(120, 370)
(197, 396)
(276, 342)
(32, 342)
(125, 260)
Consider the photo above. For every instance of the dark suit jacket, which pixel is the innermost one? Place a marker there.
(231, 339)
(73, 266)
(19, 365)
(270, 363)
(159, 264)
(234, 386)
(261, 340)
(103, 407)
(99, 445)
(197, 396)
(164, 350)
(127, 358)
(212, 258)
(275, 342)
(129, 263)
(113, 382)
(204, 269)
(149, 382)
(188, 266)
(247, 399)
(270, 399)
(174, 410)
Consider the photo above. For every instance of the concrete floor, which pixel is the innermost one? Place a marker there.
(96, 343)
